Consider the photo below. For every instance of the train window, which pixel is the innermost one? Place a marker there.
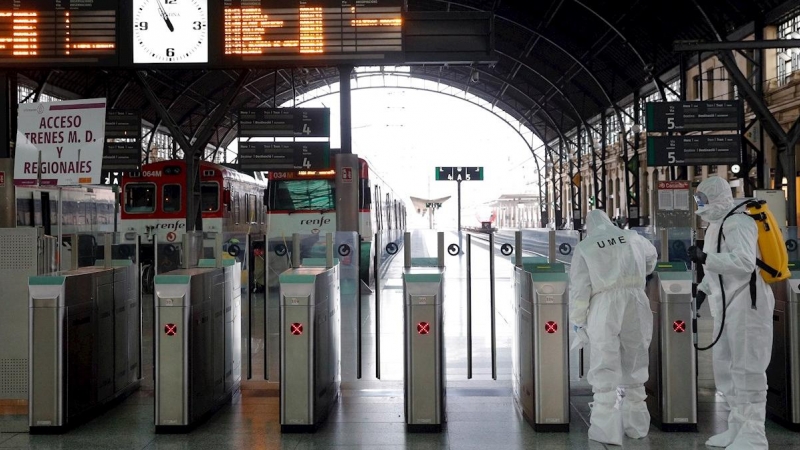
(140, 198)
(172, 198)
(209, 194)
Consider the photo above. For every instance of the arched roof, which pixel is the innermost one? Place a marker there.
(560, 62)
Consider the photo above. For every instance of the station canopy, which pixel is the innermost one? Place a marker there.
(559, 62)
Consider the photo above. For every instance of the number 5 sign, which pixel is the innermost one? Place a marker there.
(347, 174)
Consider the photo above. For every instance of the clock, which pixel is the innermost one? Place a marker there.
(170, 31)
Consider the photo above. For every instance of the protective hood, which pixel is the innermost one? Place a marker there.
(720, 199)
(597, 222)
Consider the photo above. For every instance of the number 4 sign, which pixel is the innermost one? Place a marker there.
(347, 174)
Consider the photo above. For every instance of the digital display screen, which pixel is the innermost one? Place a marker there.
(275, 29)
(58, 30)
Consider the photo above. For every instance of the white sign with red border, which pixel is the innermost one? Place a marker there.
(673, 196)
(60, 143)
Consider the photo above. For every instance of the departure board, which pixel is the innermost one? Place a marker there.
(82, 31)
(277, 29)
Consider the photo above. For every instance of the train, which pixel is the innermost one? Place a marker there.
(153, 204)
(304, 202)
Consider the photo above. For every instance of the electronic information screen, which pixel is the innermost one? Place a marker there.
(41, 31)
(276, 29)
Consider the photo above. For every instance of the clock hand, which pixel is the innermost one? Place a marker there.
(164, 16)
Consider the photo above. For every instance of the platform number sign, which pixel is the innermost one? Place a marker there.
(347, 174)
(459, 173)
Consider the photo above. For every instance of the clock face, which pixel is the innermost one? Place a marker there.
(170, 31)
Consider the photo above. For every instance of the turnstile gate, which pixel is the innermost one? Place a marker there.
(310, 346)
(424, 360)
(672, 384)
(197, 331)
(541, 362)
(84, 343)
(783, 373)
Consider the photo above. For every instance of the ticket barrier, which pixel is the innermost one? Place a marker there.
(423, 294)
(198, 344)
(84, 343)
(783, 373)
(672, 384)
(541, 353)
(310, 321)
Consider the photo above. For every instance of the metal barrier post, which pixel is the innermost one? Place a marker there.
(218, 250)
(329, 251)
(407, 249)
(296, 260)
(107, 255)
(518, 247)
(469, 306)
(492, 306)
(440, 238)
(378, 250)
(75, 251)
(551, 254)
(664, 244)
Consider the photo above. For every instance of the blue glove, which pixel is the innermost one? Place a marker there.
(575, 328)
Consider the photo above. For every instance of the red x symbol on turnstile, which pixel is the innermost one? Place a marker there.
(679, 326)
(170, 329)
(550, 327)
(423, 328)
(296, 329)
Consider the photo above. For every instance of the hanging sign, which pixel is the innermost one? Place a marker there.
(60, 143)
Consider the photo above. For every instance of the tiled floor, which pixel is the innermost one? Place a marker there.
(481, 413)
(365, 420)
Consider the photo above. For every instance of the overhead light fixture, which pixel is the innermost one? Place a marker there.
(736, 169)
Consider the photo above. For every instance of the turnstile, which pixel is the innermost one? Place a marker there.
(541, 353)
(84, 343)
(672, 384)
(783, 373)
(310, 346)
(423, 329)
(197, 331)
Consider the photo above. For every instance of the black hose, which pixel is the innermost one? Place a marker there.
(721, 286)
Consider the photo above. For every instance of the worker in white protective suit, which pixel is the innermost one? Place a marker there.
(741, 356)
(609, 308)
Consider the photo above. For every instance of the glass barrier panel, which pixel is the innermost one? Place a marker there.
(536, 243)
(679, 240)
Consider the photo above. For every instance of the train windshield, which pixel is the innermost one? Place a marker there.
(304, 195)
(140, 198)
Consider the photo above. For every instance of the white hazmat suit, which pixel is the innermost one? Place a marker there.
(607, 281)
(741, 356)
